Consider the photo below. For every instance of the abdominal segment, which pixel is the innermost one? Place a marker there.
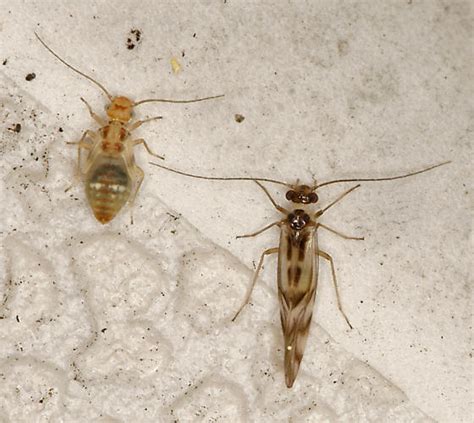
(108, 188)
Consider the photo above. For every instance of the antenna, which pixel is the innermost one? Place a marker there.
(73, 68)
(164, 100)
(214, 178)
(275, 181)
(390, 178)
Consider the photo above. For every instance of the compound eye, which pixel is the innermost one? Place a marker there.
(313, 197)
(290, 195)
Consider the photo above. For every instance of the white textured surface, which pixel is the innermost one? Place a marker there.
(131, 323)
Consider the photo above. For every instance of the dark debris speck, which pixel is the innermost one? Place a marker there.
(134, 38)
(15, 128)
(239, 118)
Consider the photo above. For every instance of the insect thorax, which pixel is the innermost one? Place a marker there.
(298, 219)
(113, 137)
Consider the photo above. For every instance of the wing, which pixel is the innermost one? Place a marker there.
(297, 281)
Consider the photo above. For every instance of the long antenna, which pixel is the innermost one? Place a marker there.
(390, 178)
(73, 68)
(214, 178)
(275, 181)
(164, 100)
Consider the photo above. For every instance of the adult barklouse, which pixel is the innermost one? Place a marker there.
(298, 258)
(111, 176)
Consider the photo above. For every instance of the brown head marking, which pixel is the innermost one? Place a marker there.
(120, 109)
(302, 194)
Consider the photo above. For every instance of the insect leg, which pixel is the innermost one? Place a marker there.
(138, 123)
(320, 212)
(142, 141)
(81, 144)
(139, 175)
(97, 118)
(356, 238)
(259, 231)
(279, 208)
(333, 270)
(254, 280)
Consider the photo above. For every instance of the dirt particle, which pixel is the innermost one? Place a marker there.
(239, 118)
(134, 38)
(30, 76)
(175, 65)
(343, 47)
(15, 128)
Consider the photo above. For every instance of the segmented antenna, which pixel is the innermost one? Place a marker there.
(73, 68)
(390, 178)
(274, 181)
(164, 100)
(215, 178)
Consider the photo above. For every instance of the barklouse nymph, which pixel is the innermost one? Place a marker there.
(298, 258)
(112, 177)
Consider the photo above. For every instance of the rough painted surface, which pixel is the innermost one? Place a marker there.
(118, 323)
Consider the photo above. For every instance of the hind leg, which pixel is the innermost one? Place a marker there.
(137, 177)
(82, 144)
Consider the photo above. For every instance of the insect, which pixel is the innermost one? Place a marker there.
(111, 176)
(298, 259)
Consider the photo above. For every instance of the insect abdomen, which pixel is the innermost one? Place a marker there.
(108, 188)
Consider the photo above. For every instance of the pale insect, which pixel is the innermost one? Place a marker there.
(111, 176)
(298, 259)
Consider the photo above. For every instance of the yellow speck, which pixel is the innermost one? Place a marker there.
(175, 65)
(289, 347)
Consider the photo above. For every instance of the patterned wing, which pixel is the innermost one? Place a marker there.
(297, 281)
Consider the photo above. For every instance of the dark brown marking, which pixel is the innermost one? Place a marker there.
(302, 247)
(289, 251)
(298, 220)
(298, 274)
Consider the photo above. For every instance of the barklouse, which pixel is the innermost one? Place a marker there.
(298, 257)
(110, 174)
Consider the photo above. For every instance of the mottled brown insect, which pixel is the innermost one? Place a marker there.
(111, 176)
(298, 259)
(297, 274)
